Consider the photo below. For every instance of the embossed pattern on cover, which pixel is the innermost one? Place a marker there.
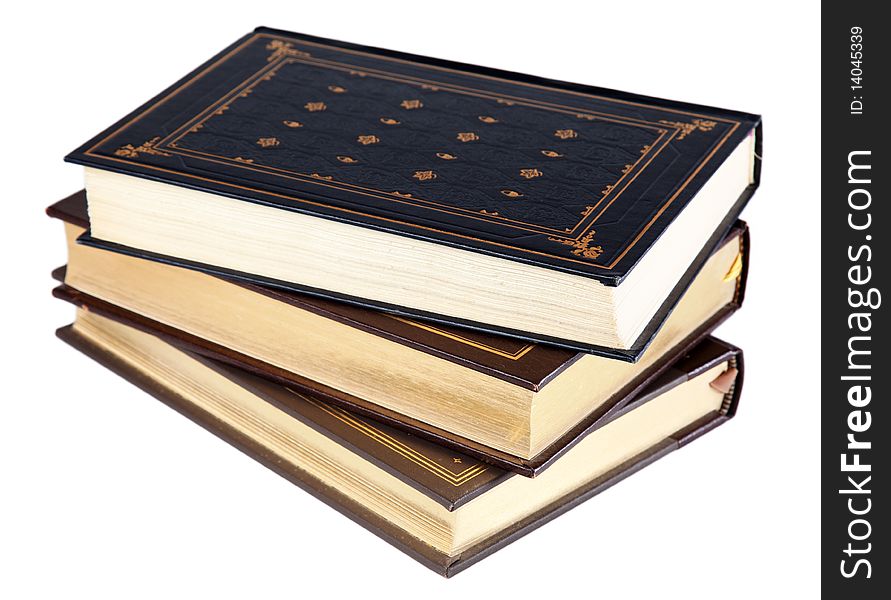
(556, 174)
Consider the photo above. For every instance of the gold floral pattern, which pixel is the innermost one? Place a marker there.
(512, 193)
(686, 129)
(424, 175)
(467, 136)
(566, 134)
(268, 142)
(446, 156)
(389, 121)
(551, 153)
(411, 104)
(347, 159)
(293, 124)
(336, 89)
(282, 49)
(315, 106)
(530, 173)
(131, 151)
(582, 246)
(486, 119)
(365, 140)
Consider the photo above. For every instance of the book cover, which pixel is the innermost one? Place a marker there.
(558, 175)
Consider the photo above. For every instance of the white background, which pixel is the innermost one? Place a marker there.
(107, 493)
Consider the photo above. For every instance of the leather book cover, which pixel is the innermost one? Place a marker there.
(526, 364)
(554, 174)
(427, 467)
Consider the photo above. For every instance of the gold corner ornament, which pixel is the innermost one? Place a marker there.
(685, 129)
(424, 175)
(148, 147)
(467, 136)
(582, 246)
(530, 173)
(411, 104)
(315, 106)
(365, 140)
(566, 134)
(268, 142)
(282, 49)
(292, 124)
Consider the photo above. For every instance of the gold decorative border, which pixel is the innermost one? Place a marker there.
(91, 152)
(407, 452)
(458, 338)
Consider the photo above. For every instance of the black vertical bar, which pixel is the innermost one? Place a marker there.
(855, 330)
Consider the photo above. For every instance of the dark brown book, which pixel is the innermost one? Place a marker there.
(461, 367)
(445, 509)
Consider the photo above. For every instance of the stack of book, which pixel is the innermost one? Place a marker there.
(451, 302)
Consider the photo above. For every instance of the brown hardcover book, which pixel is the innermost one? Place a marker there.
(514, 404)
(445, 509)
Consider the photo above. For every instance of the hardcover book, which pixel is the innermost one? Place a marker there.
(444, 509)
(515, 404)
(448, 192)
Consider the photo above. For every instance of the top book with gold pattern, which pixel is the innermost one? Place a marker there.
(541, 209)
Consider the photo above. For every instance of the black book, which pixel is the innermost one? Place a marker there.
(528, 207)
